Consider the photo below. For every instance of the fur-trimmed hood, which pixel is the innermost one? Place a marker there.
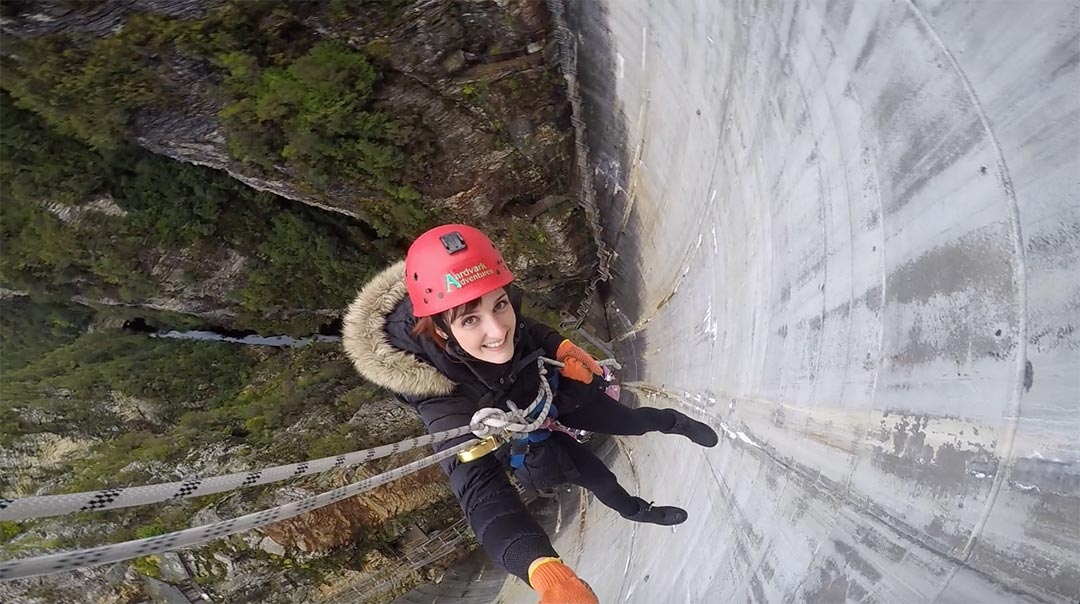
(377, 336)
(367, 340)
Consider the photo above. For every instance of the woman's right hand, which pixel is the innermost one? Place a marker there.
(578, 365)
(557, 584)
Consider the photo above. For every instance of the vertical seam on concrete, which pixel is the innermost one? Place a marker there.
(644, 321)
(766, 238)
(855, 458)
(631, 187)
(741, 538)
(1012, 412)
(824, 267)
(879, 357)
(634, 525)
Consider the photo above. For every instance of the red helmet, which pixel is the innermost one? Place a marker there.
(450, 265)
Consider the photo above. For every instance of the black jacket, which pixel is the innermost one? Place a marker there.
(445, 388)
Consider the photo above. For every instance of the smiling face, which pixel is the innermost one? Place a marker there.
(487, 331)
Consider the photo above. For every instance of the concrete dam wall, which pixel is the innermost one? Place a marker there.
(847, 235)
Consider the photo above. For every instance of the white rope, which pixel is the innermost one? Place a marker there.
(53, 563)
(516, 421)
(485, 422)
(56, 505)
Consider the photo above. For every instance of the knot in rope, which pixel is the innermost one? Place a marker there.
(492, 421)
(489, 420)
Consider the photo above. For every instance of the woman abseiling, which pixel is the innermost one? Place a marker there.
(444, 331)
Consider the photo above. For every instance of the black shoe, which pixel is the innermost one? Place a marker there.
(696, 431)
(662, 515)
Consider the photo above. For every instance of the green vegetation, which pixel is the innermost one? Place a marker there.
(290, 99)
(334, 441)
(282, 394)
(30, 329)
(306, 262)
(150, 530)
(199, 397)
(158, 401)
(192, 397)
(313, 114)
(306, 259)
(137, 408)
(147, 565)
(91, 87)
(43, 254)
(38, 164)
(525, 238)
(86, 87)
(8, 530)
(68, 383)
(28, 543)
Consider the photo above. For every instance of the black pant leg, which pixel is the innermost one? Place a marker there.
(593, 475)
(590, 409)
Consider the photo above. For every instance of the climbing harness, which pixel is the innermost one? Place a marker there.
(539, 413)
(520, 445)
(489, 424)
(515, 422)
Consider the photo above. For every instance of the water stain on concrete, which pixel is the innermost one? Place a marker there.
(944, 470)
(757, 593)
(980, 262)
(832, 585)
(872, 298)
(1052, 518)
(1046, 476)
(878, 542)
(1052, 577)
(838, 13)
(947, 533)
(1055, 246)
(951, 140)
(857, 562)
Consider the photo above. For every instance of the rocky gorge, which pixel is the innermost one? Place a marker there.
(248, 165)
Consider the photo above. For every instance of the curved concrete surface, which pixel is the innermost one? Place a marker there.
(848, 236)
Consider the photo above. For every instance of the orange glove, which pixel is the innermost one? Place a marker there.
(557, 584)
(578, 365)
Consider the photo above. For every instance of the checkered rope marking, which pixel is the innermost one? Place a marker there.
(100, 500)
(251, 479)
(57, 505)
(31, 567)
(187, 488)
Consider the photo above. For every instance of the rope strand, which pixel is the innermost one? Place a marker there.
(53, 563)
(108, 499)
(485, 422)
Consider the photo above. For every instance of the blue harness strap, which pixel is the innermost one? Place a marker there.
(519, 447)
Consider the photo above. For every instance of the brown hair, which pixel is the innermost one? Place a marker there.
(427, 327)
